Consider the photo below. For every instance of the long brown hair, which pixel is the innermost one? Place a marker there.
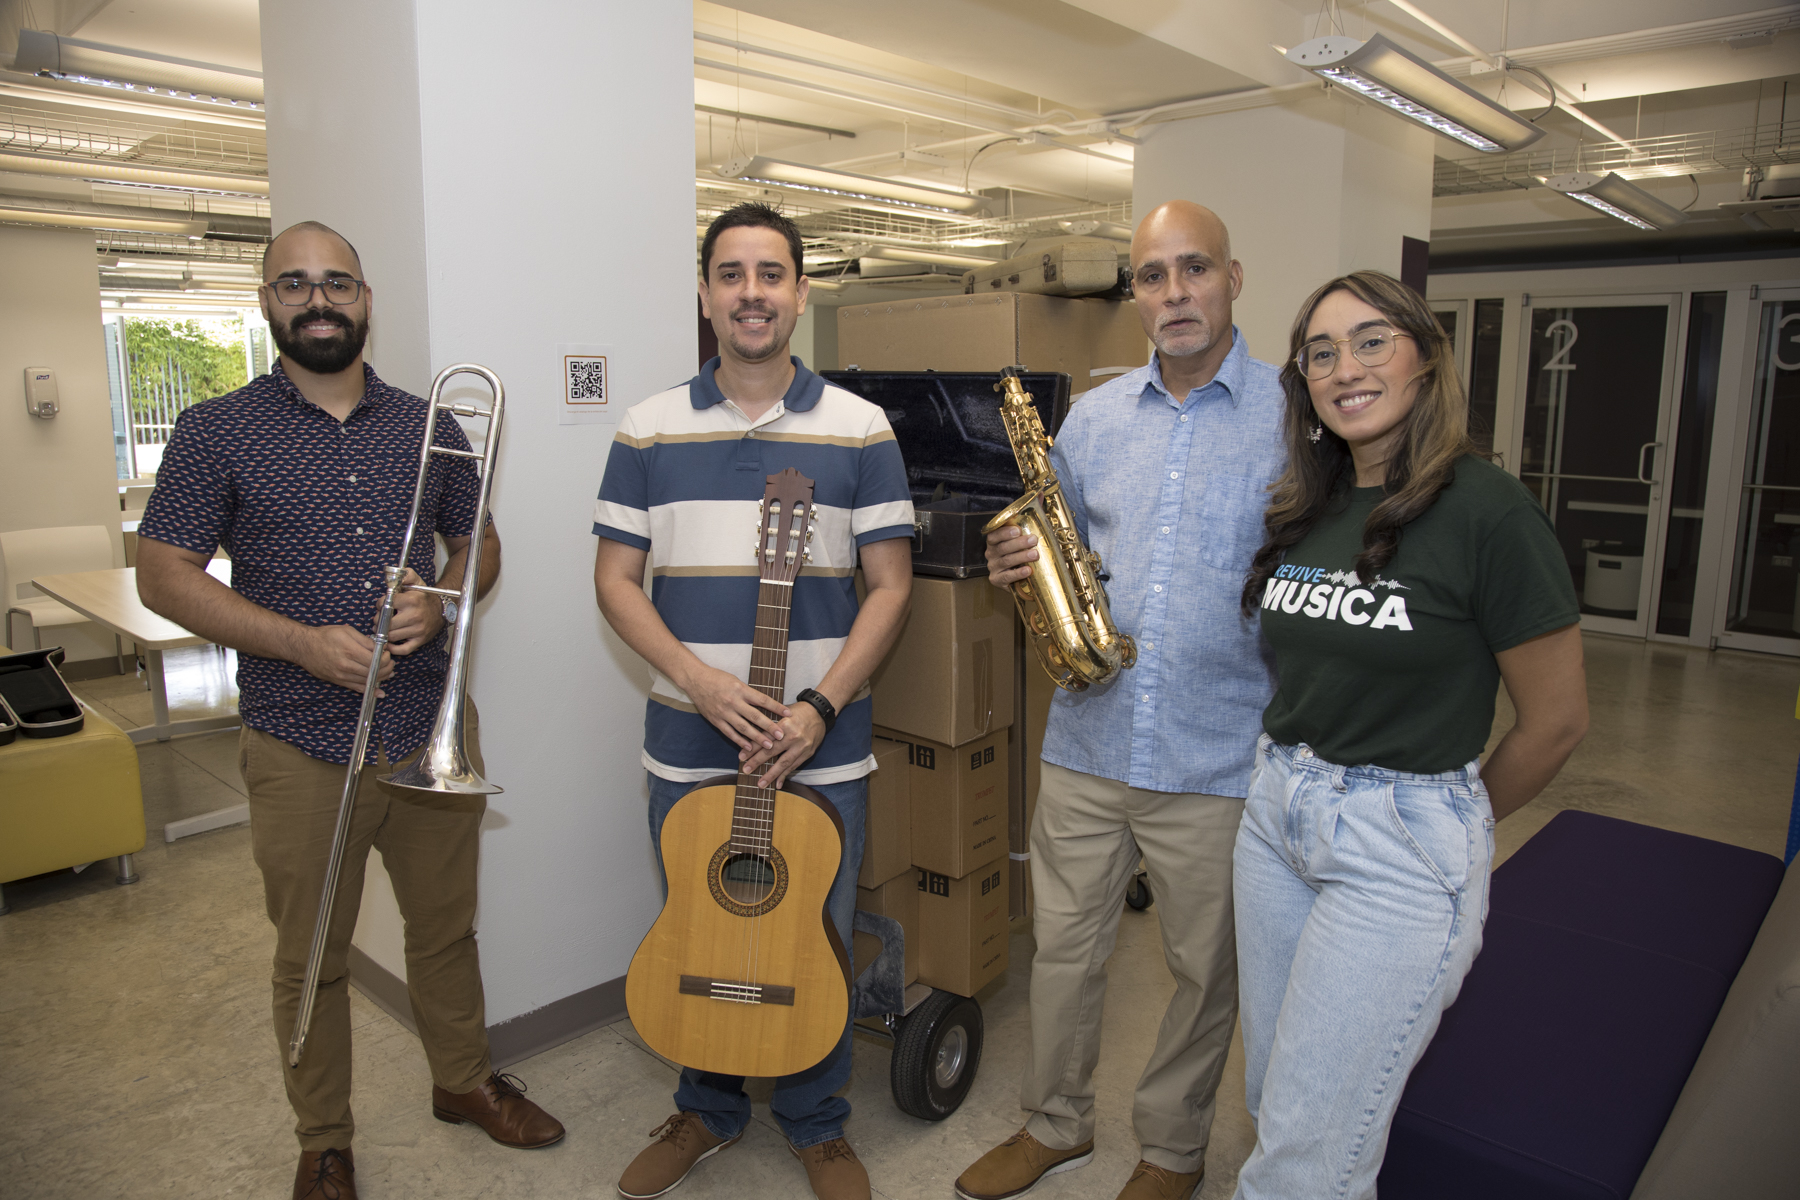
(1435, 436)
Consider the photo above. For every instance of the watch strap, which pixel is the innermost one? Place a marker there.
(827, 711)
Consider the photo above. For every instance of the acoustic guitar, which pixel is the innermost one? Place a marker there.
(743, 972)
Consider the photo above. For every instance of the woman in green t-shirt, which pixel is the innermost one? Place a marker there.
(1403, 576)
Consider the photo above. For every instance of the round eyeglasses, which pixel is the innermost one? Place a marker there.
(1371, 347)
(296, 292)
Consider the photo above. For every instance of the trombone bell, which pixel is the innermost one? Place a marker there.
(443, 767)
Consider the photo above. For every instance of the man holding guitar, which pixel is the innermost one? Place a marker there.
(682, 490)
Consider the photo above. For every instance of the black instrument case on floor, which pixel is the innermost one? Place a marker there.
(959, 462)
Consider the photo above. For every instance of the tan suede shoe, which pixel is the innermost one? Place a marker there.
(325, 1175)
(834, 1170)
(681, 1142)
(1016, 1165)
(500, 1108)
(1151, 1182)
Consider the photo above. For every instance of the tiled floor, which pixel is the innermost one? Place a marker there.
(134, 1028)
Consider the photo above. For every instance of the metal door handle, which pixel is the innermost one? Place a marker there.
(1640, 462)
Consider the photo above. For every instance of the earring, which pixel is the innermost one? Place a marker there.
(1317, 431)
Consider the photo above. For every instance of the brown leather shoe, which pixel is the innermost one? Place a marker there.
(325, 1175)
(1016, 1166)
(1151, 1182)
(834, 1170)
(499, 1106)
(681, 1142)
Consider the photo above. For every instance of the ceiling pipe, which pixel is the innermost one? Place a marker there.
(967, 262)
(965, 121)
(109, 172)
(1018, 114)
(65, 219)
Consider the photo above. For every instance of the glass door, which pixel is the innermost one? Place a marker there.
(1763, 612)
(1598, 381)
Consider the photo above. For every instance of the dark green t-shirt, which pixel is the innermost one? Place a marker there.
(1400, 672)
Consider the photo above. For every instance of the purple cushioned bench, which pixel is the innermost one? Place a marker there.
(1608, 952)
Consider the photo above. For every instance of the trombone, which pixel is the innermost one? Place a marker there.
(443, 765)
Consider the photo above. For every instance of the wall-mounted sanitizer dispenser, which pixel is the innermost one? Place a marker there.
(40, 392)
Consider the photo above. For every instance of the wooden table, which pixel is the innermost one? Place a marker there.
(110, 599)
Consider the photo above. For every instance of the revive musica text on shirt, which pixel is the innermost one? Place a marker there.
(1336, 596)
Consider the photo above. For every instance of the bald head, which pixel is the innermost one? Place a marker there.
(287, 244)
(1183, 280)
(1193, 222)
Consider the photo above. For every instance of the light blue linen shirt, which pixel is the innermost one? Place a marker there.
(1171, 491)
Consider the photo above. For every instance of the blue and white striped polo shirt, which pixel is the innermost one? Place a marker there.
(685, 482)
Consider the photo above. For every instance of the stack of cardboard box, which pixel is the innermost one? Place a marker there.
(943, 709)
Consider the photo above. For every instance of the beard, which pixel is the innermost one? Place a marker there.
(1187, 340)
(748, 351)
(321, 356)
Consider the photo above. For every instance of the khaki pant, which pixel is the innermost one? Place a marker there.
(1085, 843)
(429, 845)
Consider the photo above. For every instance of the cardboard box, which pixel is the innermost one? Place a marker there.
(963, 928)
(987, 332)
(898, 899)
(949, 677)
(887, 823)
(958, 801)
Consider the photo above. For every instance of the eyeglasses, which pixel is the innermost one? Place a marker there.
(296, 292)
(1372, 347)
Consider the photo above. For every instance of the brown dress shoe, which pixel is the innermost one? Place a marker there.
(681, 1142)
(1151, 1182)
(1016, 1166)
(499, 1106)
(834, 1170)
(325, 1175)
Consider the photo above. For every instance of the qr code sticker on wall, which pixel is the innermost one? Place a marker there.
(586, 380)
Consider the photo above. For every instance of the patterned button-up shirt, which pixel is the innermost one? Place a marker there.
(1170, 491)
(311, 511)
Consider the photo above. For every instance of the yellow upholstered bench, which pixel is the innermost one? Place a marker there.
(70, 800)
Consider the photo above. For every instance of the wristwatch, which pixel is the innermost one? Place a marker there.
(827, 711)
(450, 609)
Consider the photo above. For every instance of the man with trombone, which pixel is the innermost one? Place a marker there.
(306, 476)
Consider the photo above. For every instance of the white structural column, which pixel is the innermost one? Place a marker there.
(1312, 187)
(516, 178)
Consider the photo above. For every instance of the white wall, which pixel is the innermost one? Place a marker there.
(590, 240)
(1311, 188)
(60, 471)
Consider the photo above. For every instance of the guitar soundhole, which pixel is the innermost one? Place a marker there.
(747, 885)
(748, 879)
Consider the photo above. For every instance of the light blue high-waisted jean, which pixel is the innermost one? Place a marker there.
(1360, 896)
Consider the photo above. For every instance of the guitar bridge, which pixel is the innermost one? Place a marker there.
(735, 992)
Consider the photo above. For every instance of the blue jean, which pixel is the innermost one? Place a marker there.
(806, 1103)
(1360, 896)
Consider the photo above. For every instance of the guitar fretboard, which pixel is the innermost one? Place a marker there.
(753, 815)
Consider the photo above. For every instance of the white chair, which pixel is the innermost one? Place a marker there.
(29, 553)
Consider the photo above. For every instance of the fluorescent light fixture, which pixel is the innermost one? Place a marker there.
(1617, 197)
(1383, 72)
(854, 188)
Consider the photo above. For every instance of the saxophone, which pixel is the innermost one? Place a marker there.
(1062, 603)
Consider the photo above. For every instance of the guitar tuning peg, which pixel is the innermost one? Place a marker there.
(809, 534)
(808, 557)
